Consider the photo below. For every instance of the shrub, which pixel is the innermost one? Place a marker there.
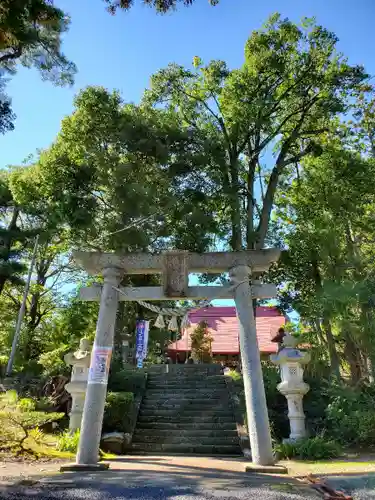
(316, 448)
(286, 450)
(127, 380)
(20, 424)
(343, 414)
(235, 376)
(276, 402)
(201, 341)
(26, 404)
(68, 441)
(118, 413)
(53, 361)
(315, 403)
(350, 417)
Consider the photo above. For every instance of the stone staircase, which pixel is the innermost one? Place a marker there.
(186, 411)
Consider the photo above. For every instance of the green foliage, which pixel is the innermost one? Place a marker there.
(20, 424)
(235, 376)
(127, 380)
(350, 415)
(26, 404)
(201, 341)
(6, 114)
(31, 34)
(281, 101)
(276, 402)
(118, 412)
(53, 361)
(161, 6)
(315, 448)
(68, 441)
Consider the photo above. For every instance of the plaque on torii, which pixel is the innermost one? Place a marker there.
(175, 266)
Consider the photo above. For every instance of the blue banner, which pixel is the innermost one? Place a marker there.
(141, 327)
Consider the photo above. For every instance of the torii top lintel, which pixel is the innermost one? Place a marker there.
(145, 263)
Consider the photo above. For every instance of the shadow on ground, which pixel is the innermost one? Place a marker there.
(360, 484)
(149, 479)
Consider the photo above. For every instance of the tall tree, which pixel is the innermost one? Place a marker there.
(12, 238)
(327, 273)
(276, 106)
(112, 166)
(109, 181)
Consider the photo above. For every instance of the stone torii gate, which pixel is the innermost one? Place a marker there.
(175, 266)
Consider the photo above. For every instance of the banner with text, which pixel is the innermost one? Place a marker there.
(141, 343)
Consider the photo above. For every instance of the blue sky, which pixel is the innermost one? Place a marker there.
(123, 51)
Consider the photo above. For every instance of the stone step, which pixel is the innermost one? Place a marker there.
(186, 376)
(188, 404)
(185, 448)
(200, 393)
(183, 382)
(187, 390)
(208, 401)
(169, 426)
(185, 433)
(199, 378)
(192, 414)
(190, 440)
(185, 369)
(181, 386)
(197, 417)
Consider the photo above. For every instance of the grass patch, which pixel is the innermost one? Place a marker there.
(332, 467)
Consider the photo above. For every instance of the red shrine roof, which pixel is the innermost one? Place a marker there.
(223, 327)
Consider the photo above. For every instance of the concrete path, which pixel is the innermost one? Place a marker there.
(157, 478)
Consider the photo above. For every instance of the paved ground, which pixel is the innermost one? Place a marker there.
(171, 478)
(154, 478)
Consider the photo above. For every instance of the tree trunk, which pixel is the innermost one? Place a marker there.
(352, 355)
(318, 327)
(267, 208)
(35, 315)
(250, 236)
(235, 208)
(326, 323)
(121, 323)
(335, 362)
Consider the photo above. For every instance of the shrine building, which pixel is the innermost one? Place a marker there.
(223, 328)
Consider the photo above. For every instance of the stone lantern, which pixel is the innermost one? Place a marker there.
(292, 386)
(80, 362)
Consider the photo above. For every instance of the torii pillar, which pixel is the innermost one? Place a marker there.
(175, 267)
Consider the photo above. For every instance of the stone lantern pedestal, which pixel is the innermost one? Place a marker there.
(291, 361)
(80, 362)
